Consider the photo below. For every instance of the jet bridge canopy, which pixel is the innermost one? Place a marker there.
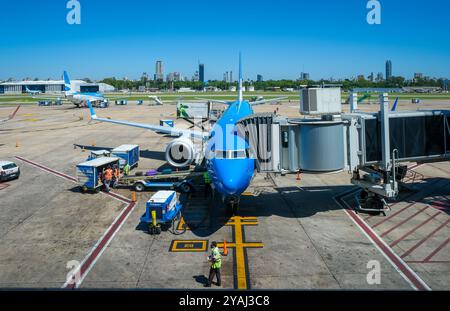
(417, 135)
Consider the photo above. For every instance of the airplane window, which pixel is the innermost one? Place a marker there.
(238, 154)
(221, 154)
(231, 154)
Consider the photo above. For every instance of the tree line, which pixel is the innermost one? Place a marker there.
(347, 84)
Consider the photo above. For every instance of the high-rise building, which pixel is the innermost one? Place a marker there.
(304, 76)
(418, 76)
(445, 86)
(201, 73)
(159, 74)
(371, 77)
(195, 77)
(380, 77)
(388, 69)
(231, 77)
(259, 78)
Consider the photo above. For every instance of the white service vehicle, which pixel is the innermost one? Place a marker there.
(8, 170)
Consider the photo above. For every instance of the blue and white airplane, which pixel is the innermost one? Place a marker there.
(227, 155)
(78, 98)
(32, 92)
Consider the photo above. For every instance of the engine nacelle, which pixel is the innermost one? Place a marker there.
(180, 152)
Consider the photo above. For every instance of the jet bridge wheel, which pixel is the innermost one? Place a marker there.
(370, 203)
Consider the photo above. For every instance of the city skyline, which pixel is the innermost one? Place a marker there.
(339, 42)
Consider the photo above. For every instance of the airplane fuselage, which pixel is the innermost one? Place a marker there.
(227, 154)
(80, 98)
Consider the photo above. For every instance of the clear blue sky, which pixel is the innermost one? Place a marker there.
(278, 39)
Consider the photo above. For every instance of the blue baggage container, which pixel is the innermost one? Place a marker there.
(88, 172)
(127, 154)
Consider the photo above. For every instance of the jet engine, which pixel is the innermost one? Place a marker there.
(180, 152)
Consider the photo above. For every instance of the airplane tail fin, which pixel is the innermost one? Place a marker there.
(240, 92)
(67, 83)
(394, 108)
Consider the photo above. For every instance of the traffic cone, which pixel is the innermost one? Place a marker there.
(225, 250)
(93, 144)
(133, 196)
(17, 144)
(298, 175)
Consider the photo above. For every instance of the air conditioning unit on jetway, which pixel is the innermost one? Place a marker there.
(320, 101)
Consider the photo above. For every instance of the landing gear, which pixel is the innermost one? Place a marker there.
(232, 206)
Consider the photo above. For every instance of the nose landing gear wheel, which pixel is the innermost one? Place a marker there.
(233, 208)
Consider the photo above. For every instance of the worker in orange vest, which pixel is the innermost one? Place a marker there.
(116, 176)
(108, 178)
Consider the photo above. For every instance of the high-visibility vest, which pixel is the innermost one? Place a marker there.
(116, 172)
(206, 178)
(126, 169)
(217, 258)
(108, 174)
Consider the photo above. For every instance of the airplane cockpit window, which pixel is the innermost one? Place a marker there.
(232, 154)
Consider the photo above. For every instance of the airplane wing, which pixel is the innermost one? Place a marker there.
(265, 101)
(155, 128)
(11, 116)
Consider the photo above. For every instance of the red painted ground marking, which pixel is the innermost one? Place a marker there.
(424, 262)
(413, 230)
(415, 193)
(437, 250)
(404, 221)
(65, 176)
(71, 178)
(405, 271)
(442, 206)
(90, 260)
(409, 251)
(393, 215)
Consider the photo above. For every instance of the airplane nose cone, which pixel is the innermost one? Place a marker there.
(231, 184)
(233, 177)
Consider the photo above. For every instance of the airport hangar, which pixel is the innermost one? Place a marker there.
(53, 86)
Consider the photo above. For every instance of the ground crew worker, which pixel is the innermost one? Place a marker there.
(126, 169)
(216, 264)
(108, 178)
(207, 180)
(116, 176)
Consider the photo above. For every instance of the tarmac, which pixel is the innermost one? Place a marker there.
(290, 234)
